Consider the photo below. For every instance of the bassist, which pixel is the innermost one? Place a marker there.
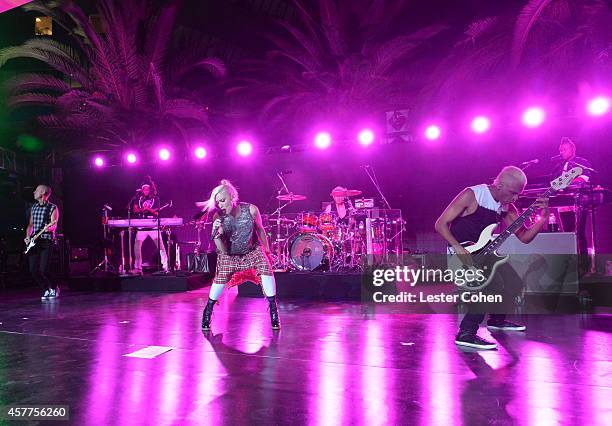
(471, 211)
(42, 213)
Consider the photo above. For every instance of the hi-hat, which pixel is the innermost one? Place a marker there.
(345, 193)
(290, 197)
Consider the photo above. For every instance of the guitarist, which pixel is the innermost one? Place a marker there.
(471, 211)
(42, 213)
(146, 206)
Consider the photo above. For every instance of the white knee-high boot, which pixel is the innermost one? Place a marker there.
(269, 285)
(213, 296)
(215, 291)
(269, 288)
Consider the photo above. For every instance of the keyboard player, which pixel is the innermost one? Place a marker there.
(146, 206)
(574, 221)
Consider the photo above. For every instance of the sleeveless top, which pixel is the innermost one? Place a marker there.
(239, 235)
(489, 211)
(41, 215)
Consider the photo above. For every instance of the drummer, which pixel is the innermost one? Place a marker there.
(342, 206)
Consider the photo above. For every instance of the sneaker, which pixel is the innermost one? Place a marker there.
(45, 295)
(473, 341)
(505, 326)
(54, 293)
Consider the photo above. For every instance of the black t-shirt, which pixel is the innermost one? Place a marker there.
(151, 202)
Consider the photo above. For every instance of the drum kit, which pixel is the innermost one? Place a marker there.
(310, 241)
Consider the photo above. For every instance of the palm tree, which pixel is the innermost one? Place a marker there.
(337, 63)
(547, 44)
(121, 86)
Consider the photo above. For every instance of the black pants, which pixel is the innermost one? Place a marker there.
(505, 282)
(39, 263)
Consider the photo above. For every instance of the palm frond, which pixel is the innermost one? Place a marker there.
(389, 52)
(29, 82)
(526, 20)
(161, 31)
(31, 99)
(184, 108)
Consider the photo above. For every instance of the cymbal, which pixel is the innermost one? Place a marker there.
(290, 197)
(345, 193)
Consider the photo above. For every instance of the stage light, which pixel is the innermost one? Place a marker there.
(131, 158)
(164, 154)
(598, 106)
(433, 132)
(533, 116)
(99, 161)
(244, 148)
(200, 152)
(322, 140)
(480, 124)
(365, 137)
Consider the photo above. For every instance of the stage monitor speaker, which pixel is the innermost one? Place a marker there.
(80, 261)
(79, 253)
(548, 264)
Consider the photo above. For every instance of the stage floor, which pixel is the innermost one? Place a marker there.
(332, 363)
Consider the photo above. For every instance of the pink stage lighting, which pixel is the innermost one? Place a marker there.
(164, 154)
(598, 106)
(99, 161)
(365, 137)
(131, 158)
(244, 148)
(533, 117)
(480, 124)
(200, 152)
(433, 132)
(322, 140)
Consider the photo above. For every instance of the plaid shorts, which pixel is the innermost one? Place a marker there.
(227, 265)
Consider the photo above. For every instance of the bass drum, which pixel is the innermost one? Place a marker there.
(310, 252)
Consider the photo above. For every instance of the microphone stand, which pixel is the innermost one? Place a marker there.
(108, 267)
(280, 261)
(372, 175)
(526, 165)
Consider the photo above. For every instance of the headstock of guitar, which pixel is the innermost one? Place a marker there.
(566, 179)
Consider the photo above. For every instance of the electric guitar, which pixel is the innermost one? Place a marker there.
(32, 242)
(485, 259)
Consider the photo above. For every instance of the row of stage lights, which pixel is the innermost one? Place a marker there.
(532, 118)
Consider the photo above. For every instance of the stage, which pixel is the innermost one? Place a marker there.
(331, 363)
(150, 282)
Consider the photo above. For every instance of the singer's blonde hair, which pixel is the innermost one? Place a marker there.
(224, 185)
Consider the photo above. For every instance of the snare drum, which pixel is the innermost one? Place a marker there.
(309, 251)
(308, 222)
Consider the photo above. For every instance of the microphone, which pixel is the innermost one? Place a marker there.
(534, 161)
(285, 172)
(139, 190)
(107, 207)
(555, 157)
